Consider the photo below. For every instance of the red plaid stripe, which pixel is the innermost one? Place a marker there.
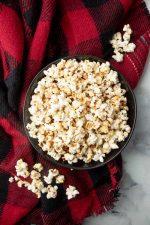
(32, 34)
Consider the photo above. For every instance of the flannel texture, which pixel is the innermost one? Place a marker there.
(32, 34)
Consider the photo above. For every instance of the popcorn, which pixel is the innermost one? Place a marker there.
(51, 191)
(121, 46)
(16, 178)
(35, 175)
(99, 157)
(71, 192)
(20, 183)
(38, 187)
(53, 172)
(11, 179)
(22, 169)
(60, 179)
(118, 57)
(79, 111)
(48, 179)
(38, 167)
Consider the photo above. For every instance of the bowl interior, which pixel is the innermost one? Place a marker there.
(81, 165)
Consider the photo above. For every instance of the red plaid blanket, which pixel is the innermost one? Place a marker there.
(32, 34)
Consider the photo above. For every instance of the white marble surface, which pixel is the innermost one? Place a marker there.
(133, 207)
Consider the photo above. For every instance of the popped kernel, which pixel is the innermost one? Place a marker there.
(11, 179)
(38, 167)
(71, 192)
(60, 179)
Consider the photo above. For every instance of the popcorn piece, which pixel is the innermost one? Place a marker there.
(11, 179)
(16, 178)
(71, 192)
(44, 190)
(118, 57)
(130, 47)
(38, 167)
(99, 157)
(60, 179)
(20, 183)
(22, 169)
(35, 175)
(53, 172)
(48, 179)
(51, 191)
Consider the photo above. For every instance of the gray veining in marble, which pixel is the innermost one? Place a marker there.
(133, 207)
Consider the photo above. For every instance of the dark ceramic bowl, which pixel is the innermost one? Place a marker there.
(81, 165)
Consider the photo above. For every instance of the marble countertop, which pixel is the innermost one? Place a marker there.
(133, 207)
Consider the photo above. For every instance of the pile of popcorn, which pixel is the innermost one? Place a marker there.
(38, 184)
(122, 44)
(79, 111)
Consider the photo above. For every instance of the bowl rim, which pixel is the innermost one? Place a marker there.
(72, 166)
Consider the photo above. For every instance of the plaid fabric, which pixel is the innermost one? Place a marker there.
(32, 34)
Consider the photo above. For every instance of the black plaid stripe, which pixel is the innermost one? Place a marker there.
(4, 107)
(13, 80)
(10, 61)
(3, 190)
(101, 184)
(3, 186)
(94, 3)
(51, 205)
(61, 216)
(104, 16)
(34, 217)
(12, 4)
(57, 43)
(31, 13)
(87, 48)
(5, 144)
(100, 176)
(13, 85)
(72, 5)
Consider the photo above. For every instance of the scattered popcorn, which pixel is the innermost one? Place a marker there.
(37, 186)
(122, 44)
(71, 192)
(77, 110)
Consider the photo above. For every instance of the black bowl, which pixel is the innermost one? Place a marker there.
(81, 165)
